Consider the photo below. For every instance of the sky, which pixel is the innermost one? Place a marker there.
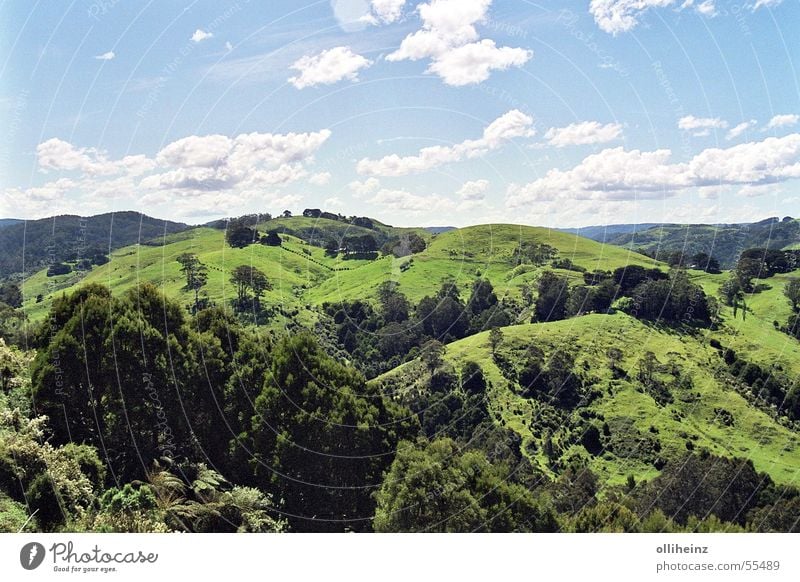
(442, 112)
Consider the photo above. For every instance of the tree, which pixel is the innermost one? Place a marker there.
(432, 354)
(196, 274)
(703, 486)
(271, 239)
(792, 292)
(733, 295)
(552, 297)
(483, 296)
(249, 279)
(11, 295)
(320, 437)
(434, 487)
(287, 213)
(394, 305)
(495, 339)
(58, 269)
(239, 233)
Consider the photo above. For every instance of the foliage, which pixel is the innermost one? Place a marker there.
(434, 487)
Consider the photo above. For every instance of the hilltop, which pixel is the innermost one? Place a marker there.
(724, 242)
(29, 245)
(305, 276)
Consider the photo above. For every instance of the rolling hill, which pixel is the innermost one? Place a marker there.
(706, 411)
(725, 242)
(644, 391)
(29, 245)
(304, 277)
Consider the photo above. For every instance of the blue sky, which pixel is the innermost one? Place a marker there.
(417, 113)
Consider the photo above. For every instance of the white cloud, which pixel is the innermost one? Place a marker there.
(449, 38)
(701, 126)
(583, 133)
(364, 188)
(616, 174)
(783, 121)
(384, 11)
(740, 129)
(617, 16)
(108, 56)
(402, 200)
(473, 190)
(707, 8)
(334, 203)
(749, 191)
(506, 127)
(228, 46)
(320, 179)
(766, 4)
(58, 155)
(328, 67)
(474, 62)
(217, 162)
(201, 35)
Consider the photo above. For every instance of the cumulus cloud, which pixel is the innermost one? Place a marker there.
(511, 125)
(201, 35)
(740, 129)
(384, 11)
(364, 188)
(209, 169)
(617, 16)
(58, 155)
(107, 56)
(404, 201)
(473, 190)
(783, 121)
(328, 67)
(766, 4)
(701, 126)
(617, 174)
(448, 38)
(320, 179)
(583, 133)
(474, 62)
(218, 162)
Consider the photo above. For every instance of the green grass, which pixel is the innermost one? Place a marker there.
(304, 278)
(755, 434)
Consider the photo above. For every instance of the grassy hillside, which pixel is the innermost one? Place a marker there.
(724, 242)
(698, 415)
(475, 251)
(304, 276)
(28, 246)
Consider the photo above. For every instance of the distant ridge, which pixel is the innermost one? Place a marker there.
(30, 245)
(439, 229)
(604, 233)
(4, 222)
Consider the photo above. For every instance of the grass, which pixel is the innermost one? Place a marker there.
(693, 416)
(304, 278)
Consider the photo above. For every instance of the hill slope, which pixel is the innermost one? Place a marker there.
(724, 242)
(303, 276)
(29, 245)
(705, 413)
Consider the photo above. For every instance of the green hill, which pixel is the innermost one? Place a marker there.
(705, 413)
(725, 242)
(304, 276)
(29, 245)
(616, 387)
